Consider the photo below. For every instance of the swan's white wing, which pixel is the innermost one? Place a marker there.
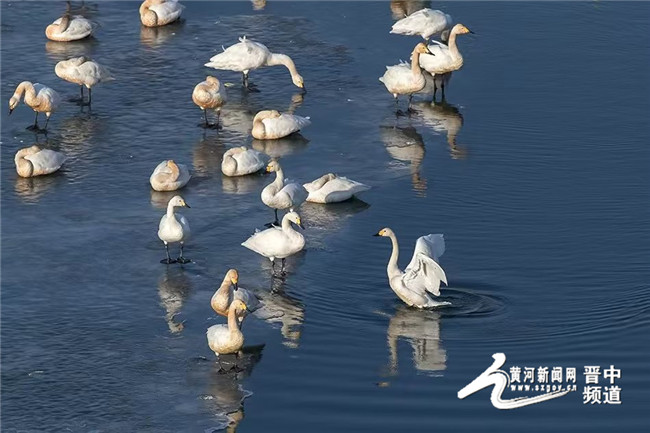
(249, 161)
(248, 298)
(185, 224)
(425, 275)
(439, 57)
(336, 190)
(399, 78)
(432, 245)
(425, 22)
(93, 73)
(285, 124)
(78, 28)
(218, 335)
(168, 11)
(242, 56)
(46, 161)
(269, 242)
(52, 95)
(293, 192)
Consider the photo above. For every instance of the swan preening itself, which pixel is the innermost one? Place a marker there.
(174, 228)
(405, 79)
(69, 28)
(240, 161)
(443, 59)
(169, 176)
(210, 95)
(270, 124)
(230, 291)
(280, 194)
(84, 72)
(423, 274)
(224, 339)
(331, 188)
(38, 97)
(425, 22)
(247, 55)
(34, 161)
(155, 13)
(278, 242)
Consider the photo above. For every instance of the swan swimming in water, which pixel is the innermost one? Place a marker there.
(169, 176)
(38, 97)
(247, 55)
(278, 242)
(174, 228)
(270, 124)
(69, 28)
(34, 161)
(155, 13)
(405, 79)
(331, 188)
(280, 194)
(240, 161)
(84, 72)
(422, 275)
(425, 22)
(225, 295)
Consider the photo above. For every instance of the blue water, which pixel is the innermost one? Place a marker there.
(535, 169)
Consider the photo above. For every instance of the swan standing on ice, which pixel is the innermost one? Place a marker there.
(38, 97)
(155, 13)
(281, 195)
(174, 228)
(425, 22)
(278, 242)
(444, 59)
(422, 275)
(69, 28)
(270, 124)
(225, 295)
(210, 94)
(240, 161)
(84, 72)
(405, 79)
(169, 176)
(225, 339)
(34, 161)
(331, 188)
(247, 55)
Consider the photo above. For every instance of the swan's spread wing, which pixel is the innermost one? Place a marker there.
(249, 161)
(46, 161)
(425, 275)
(168, 11)
(285, 124)
(423, 22)
(294, 193)
(242, 56)
(430, 245)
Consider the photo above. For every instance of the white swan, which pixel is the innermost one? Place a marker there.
(34, 161)
(225, 295)
(280, 194)
(69, 28)
(405, 79)
(174, 228)
(278, 242)
(247, 55)
(425, 22)
(331, 188)
(210, 94)
(154, 13)
(224, 339)
(270, 124)
(444, 58)
(169, 176)
(84, 72)
(423, 274)
(240, 161)
(38, 97)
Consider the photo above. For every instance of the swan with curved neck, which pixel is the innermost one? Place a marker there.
(247, 55)
(229, 291)
(169, 176)
(422, 276)
(240, 161)
(281, 195)
(210, 94)
(174, 228)
(84, 72)
(224, 339)
(69, 28)
(271, 125)
(155, 13)
(34, 161)
(38, 97)
(405, 79)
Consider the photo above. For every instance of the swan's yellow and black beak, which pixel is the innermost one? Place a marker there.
(186, 205)
(11, 110)
(377, 234)
(235, 285)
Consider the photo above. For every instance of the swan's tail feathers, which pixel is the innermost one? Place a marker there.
(242, 39)
(381, 79)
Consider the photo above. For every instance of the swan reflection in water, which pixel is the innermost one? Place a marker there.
(173, 288)
(154, 37)
(284, 310)
(281, 147)
(443, 118)
(58, 51)
(31, 189)
(405, 144)
(224, 396)
(207, 156)
(421, 329)
(258, 5)
(404, 8)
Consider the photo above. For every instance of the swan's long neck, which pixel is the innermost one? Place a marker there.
(24, 167)
(170, 211)
(392, 262)
(453, 48)
(415, 63)
(258, 127)
(222, 293)
(65, 22)
(175, 170)
(148, 15)
(279, 179)
(286, 226)
(27, 89)
(282, 59)
(230, 164)
(233, 323)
